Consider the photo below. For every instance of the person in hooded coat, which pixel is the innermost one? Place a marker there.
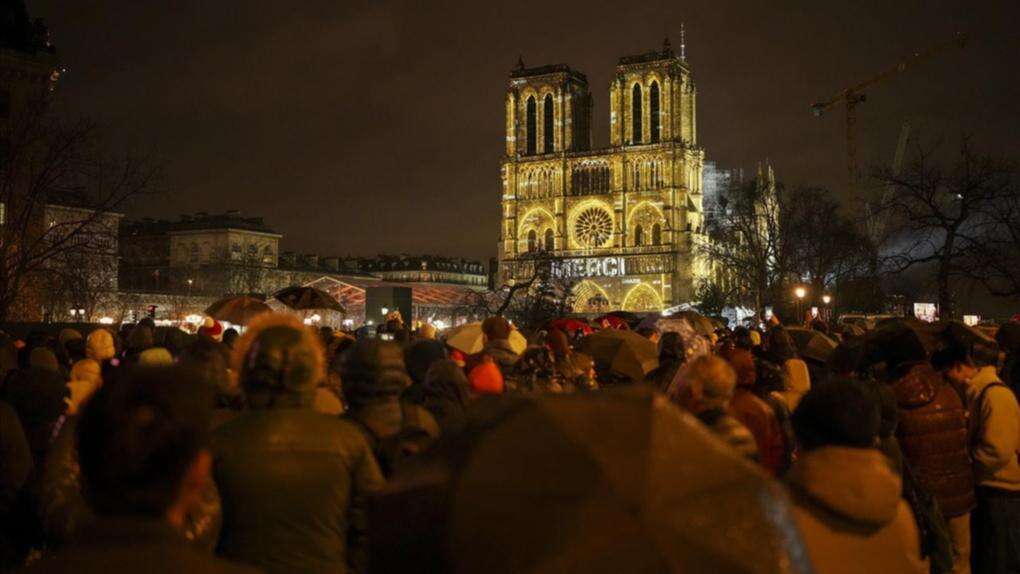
(1008, 338)
(444, 393)
(755, 413)
(847, 500)
(497, 344)
(374, 378)
(671, 359)
(293, 482)
(15, 468)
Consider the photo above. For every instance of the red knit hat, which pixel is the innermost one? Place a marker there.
(486, 379)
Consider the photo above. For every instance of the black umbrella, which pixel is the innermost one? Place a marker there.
(308, 299)
(625, 353)
(901, 340)
(812, 344)
(619, 481)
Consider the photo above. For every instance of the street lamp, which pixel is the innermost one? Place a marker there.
(826, 299)
(190, 283)
(800, 292)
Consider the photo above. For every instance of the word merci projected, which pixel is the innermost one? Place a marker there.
(589, 267)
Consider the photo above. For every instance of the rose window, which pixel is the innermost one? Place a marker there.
(593, 227)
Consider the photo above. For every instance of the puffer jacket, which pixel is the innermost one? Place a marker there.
(932, 433)
(850, 514)
(293, 484)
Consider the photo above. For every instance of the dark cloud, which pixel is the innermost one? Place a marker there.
(362, 127)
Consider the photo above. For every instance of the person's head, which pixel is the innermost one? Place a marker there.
(820, 326)
(100, 346)
(742, 362)
(446, 378)
(211, 364)
(279, 362)
(710, 382)
(142, 446)
(212, 329)
(671, 347)
(155, 357)
(558, 343)
(419, 357)
(650, 333)
(142, 337)
(496, 328)
(771, 378)
(75, 349)
(230, 337)
(837, 412)
(373, 371)
(43, 358)
(427, 331)
(779, 344)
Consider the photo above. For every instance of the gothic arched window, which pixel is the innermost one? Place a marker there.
(653, 111)
(547, 124)
(532, 126)
(549, 242)
(656, 234)
(532, 241)
(639, 236)
(635, 113)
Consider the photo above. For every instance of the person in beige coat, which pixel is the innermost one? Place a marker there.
(847, 501)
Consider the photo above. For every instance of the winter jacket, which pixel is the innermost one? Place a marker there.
(66, 516)
(798, 380)
(994, 431)
(755, 413)
(932, 434)
(850, 514)
(444, 393)
(731, 431)
(134, 544)
(293, 484)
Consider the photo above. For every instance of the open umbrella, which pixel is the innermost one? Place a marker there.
(624, 352)
(619, 481)
(901, 339)
(469, 339)
(571, 325)
(308, 299)
(812, 344)
(237, 310)
(702, 324)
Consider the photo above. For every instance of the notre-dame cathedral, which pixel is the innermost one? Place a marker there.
(623, 222)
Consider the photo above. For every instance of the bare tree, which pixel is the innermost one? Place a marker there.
(995, 257)
(530, 301)
(44, 161)
(939, 210)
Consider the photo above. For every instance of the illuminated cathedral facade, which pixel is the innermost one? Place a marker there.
(620, 224)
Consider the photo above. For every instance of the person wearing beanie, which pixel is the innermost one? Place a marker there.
(444, 393)
(847, 500)
(155, 357)
(497, 344)
(211, 329)
(374, 377)
(293, 481)
(427, 331)
(486, 379)
(100, 346)
(754, 413)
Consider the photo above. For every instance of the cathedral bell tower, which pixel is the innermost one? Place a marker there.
(548, 110)
(652, 100)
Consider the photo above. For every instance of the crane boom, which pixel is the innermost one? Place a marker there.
(854, 95)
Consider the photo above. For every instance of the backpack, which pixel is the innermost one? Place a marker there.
(417, 432)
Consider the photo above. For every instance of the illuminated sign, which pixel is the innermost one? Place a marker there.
(589, 267)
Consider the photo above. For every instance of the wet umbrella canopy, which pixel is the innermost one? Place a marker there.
(620, 481)
(470, 339)
(623, 352)
(812, 344)
(237, 310)
(308, 299)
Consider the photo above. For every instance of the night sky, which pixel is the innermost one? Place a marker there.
(360, 128)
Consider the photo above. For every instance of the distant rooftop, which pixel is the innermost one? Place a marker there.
(666, 53)
(200, 221)
(523, 72)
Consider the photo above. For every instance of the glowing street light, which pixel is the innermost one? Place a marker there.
(826, 299)
(800, 292)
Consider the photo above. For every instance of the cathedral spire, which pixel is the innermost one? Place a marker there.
(683, 43)
(520, 61)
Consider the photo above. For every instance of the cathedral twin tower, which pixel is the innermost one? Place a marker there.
(622, 223)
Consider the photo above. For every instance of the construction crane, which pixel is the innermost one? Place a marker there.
(854, 95)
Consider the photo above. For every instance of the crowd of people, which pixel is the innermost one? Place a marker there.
(147, 449)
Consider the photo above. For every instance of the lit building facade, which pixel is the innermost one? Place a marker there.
(621, 223)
